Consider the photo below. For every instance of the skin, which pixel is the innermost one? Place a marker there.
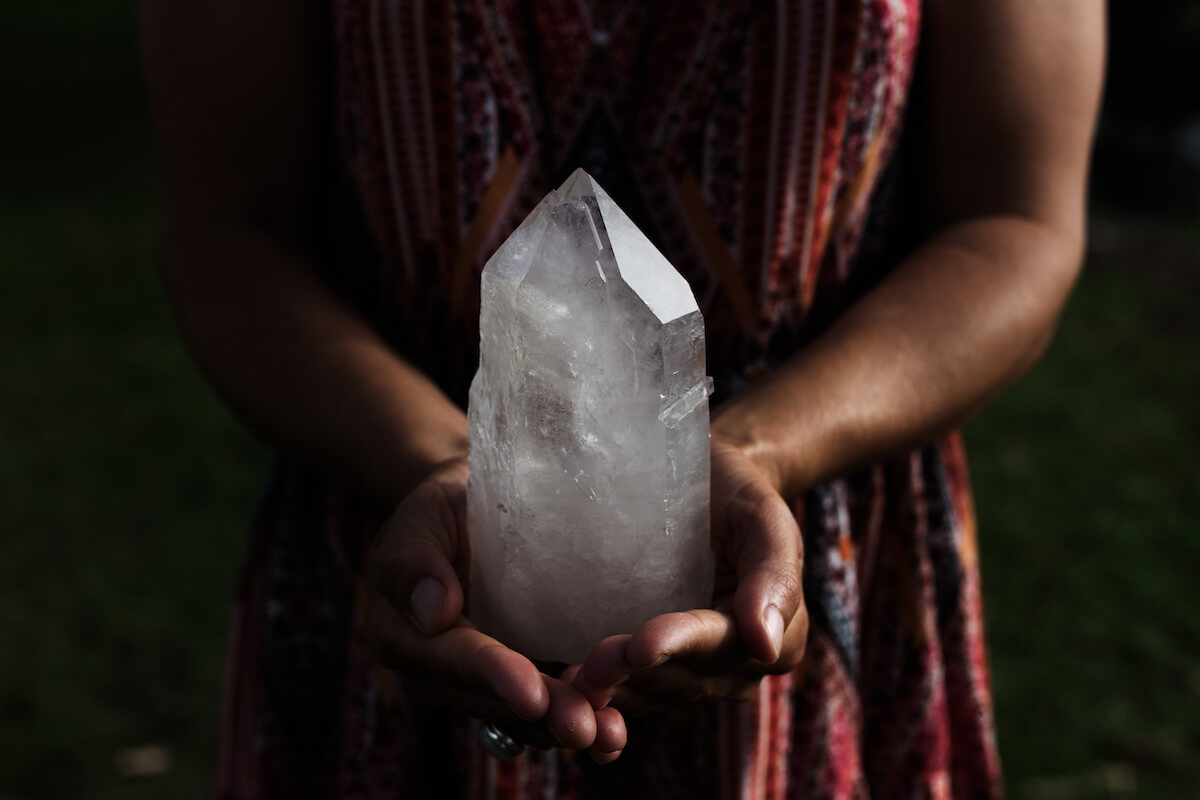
(1012, 100)
(1013, 95)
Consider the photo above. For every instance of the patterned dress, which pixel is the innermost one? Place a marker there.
(758, 144)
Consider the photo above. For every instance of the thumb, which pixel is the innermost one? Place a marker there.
(429, 606)
(767, 555)
(412, 564)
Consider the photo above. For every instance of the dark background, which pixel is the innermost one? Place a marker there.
(125, 488)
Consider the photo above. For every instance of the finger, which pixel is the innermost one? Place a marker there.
(570, 718)
(485, 708)
(767, 558)
(462, 657)
(413, 561)
(604, 670)
(569, 674)
(704, 636)
(611, 736)
(569, 723)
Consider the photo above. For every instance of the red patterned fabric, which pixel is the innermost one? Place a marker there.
(752, 142)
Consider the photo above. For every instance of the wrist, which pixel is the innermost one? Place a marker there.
(428, 455)
(754, 439)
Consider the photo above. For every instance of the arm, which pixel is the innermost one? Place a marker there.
(241, 111)
(1014, 89)
(239, 91)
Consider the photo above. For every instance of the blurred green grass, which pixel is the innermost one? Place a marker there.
(125, 488)
(124, 493)
(1086, 482)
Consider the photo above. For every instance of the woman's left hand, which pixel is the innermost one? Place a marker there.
(758, 625)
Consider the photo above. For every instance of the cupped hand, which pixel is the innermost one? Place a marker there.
(758, 626)
(416, 573)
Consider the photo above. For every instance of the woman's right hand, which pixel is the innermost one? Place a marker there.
(417, 569)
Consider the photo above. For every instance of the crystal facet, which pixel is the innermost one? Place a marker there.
(588, 496)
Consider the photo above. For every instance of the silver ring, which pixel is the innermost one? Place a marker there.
(499, 743)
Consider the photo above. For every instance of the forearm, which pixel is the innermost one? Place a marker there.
(301, 368)
(962, 317)
(247, 145)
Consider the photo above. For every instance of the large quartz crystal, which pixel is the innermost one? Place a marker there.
(588, 497)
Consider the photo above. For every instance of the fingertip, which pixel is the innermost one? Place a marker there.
(611, 733)
(605, 758)
(570, 718)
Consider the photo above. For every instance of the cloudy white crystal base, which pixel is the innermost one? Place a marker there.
(588, 496)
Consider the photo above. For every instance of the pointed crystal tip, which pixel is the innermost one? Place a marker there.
(642, 267)
(579, 184)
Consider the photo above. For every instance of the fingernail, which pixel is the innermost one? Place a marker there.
(426, 603)
(774, 622)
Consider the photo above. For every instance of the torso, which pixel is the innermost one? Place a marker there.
(748, 140)
(745, 138)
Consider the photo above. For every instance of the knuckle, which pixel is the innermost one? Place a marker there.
(790, 584)
(699, 625)
(483, 658)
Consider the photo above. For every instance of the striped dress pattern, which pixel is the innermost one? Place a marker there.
(759, 145)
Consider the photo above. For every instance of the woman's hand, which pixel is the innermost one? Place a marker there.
(759, 625)
(417, 571)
